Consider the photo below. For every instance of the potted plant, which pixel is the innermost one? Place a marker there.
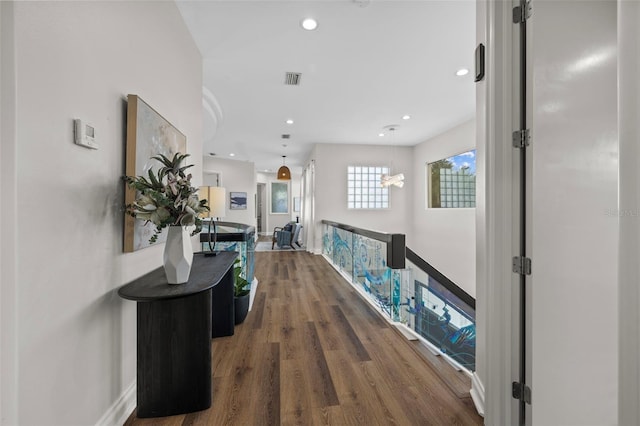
(167, 199)
(241, 293)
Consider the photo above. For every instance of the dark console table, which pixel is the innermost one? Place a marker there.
(175, 326)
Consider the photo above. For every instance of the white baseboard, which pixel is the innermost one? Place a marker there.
(477, 394)
(252, 292)
(120, 411)
(408, 333)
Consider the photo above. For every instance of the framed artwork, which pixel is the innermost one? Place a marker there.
(148, 134)
(296, 204)
(279, 197)
(237, 200)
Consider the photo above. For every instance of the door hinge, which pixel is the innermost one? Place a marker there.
(521, 138)
(521, 392)
(521, 265)
(522, 13)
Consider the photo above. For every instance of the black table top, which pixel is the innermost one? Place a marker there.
(206, 272)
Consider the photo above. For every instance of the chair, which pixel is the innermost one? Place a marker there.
(286, 235)
(296, 235)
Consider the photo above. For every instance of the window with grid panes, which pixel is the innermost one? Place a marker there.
(451, 182)
(364, 190)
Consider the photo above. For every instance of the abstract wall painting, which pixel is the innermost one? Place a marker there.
(237, 200)
(148, 134)
(279, 198)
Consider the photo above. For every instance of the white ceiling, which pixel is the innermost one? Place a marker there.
(366, 65)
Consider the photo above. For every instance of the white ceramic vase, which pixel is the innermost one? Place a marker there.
(178, 255)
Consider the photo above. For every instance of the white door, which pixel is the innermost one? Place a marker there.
(629, 213)
(573, 233)
(260, 208)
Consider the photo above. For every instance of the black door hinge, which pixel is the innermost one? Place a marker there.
(521, 138)
(521, 265)
(521, 392)
(522, 13)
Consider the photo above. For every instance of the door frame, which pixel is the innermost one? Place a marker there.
(497, 359)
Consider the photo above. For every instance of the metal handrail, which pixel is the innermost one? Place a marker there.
(395, 242)
(441, 278)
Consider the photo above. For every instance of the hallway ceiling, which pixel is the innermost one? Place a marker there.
(367, 65)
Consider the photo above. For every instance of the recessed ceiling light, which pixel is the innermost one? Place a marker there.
(462, 71)
(289, 121)
(309, 24)
(381, 134)
(232, 155)
(406, 117)
(267, 170)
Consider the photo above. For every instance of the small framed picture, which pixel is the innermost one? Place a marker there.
(237, 200)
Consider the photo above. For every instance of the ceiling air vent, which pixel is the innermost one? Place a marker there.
(292, 78)
(286, 136)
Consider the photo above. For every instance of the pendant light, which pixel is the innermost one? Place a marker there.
(283, 172)
(398, 179)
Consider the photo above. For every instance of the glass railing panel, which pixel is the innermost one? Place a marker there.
(249, 260)
(327, 240)
(371, 272)
(439, 316)
(402, 279)
(233, 237)
(343, 251)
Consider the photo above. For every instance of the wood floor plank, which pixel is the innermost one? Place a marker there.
(257, 310)
(328, 416)
(295, 392)
(290, 344)
(350, 336)
(324, 393)
(264, 406)
(222, 355)
(327, 332)
(366, 400)
(313, 352)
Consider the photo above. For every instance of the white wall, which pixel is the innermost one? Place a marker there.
(235, 176)
(331, 162)
(8, 217)
(444, 237)
(76, 337)
(629, 213)
(574, 236)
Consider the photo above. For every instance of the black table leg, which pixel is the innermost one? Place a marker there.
(223, 315)
(174, 355)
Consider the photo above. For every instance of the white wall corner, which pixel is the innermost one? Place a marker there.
(9, 357)
(477, 393)
(120, 411)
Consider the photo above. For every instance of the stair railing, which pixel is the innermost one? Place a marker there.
(405, 289)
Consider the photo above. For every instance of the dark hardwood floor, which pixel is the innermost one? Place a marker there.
(312, 352)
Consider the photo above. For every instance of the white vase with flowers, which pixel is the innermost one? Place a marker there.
(168, 200)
